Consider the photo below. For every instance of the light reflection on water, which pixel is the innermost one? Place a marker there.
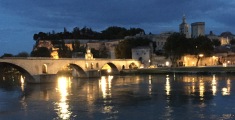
(63, 110)
(226, 90)
(123, 97)
(168, 86)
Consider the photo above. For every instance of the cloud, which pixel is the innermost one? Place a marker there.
(20, 20)
(61, 13)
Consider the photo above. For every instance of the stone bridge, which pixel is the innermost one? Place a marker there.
(40, 68)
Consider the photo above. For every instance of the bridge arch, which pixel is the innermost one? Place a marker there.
(20, 69)
(78, 72)
(114, 69)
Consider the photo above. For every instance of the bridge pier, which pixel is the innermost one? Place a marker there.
(43, 78)
(93, 73)
(50, 78)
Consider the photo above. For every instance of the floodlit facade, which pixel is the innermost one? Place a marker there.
(142, 54)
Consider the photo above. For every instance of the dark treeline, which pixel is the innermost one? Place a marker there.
(21, 54)
(177, 45)
(113, 32)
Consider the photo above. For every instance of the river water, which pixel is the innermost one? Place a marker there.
(144, 97)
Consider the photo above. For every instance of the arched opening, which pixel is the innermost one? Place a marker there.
(97, 65)
(77, 71)
(92, 65)
(133, 66)
(109, 68)
(13, 74)
(141, 60)
(44, 68)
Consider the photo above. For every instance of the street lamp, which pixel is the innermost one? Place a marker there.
(149, 62)
(167, 63)
(201, 55)
(213, 60)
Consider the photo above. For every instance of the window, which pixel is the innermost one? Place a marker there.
(92, 65)
(44, 68)
(86, 65)
(97, 65)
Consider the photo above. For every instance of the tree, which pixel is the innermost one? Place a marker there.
(76, 33)
(175, 47)
(134, 31)
(123, 49)
(22, 54)
(41, 52)
(114, 32)
(202, 46)
(226, 34)
(103, 52)
(6, 55)
(64, 51)
(232, 42)
(216, 42)
(75, 45)
(95, 53)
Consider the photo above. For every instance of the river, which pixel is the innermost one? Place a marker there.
(148, 97)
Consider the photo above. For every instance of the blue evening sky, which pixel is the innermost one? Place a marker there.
(20, 19)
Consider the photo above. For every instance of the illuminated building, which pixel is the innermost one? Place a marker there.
(184, 28)
(142, 54)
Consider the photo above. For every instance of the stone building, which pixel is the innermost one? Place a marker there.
(143, 54)
(43, 43)
(198, 29)
(184, 28)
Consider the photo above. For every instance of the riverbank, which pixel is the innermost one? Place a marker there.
(169, 70)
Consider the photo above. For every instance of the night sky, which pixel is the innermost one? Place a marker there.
(20, 19)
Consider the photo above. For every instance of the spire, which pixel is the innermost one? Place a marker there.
(184, 19)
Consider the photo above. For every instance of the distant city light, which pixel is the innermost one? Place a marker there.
(109, 70)
(224, 64)
(167, 63)
(201, 55)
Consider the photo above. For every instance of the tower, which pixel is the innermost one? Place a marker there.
(198, 29)
(184, 27)
(88, 54)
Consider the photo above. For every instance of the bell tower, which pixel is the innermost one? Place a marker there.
(88, 54)
(184, 27)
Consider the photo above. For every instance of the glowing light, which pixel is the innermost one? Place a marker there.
(214, 84)
(22, 80)
(103, 86)
(106, 85)
(150, 79)
(201, 89)
(150, 84)
(224, 64)
(63, 84)
(167, 63)
(226, 90)
(167, 86)
(109, 70)
(201, 55)
(142, 66)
